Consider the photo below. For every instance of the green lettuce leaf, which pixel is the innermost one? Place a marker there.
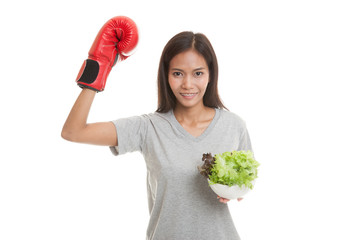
(231, 168)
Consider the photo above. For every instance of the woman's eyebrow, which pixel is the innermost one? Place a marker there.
(196, 69)
(177, 69)
(200, 68)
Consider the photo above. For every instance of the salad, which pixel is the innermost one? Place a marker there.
(230, 168)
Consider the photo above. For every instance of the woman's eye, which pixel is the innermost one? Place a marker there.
(198, 74)
(177, 74)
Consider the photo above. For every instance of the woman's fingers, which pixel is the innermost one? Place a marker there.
(225, 200)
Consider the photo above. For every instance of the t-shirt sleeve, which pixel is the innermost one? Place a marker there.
(245, 143)
(131, 134)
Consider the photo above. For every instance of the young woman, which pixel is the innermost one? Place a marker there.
(190, 120)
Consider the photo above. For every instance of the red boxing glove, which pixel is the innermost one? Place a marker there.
(115, 41)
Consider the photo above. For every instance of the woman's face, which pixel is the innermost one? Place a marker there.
(188, 78)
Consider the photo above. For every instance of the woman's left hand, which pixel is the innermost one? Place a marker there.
(225, 200)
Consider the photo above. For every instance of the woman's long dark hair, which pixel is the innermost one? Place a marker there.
(180, 43)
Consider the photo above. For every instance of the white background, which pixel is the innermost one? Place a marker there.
(289, 68)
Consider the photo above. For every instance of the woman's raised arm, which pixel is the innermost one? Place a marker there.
(115, 41)
(76, 128)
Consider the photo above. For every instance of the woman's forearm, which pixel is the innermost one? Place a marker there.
(77, 119)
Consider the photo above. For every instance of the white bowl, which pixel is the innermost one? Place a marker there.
(232, 192)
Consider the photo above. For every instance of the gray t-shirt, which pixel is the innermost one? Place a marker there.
(182, 206)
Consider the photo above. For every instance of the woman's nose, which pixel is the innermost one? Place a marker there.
(187, 82)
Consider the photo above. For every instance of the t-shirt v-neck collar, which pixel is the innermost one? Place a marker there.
(187, 134)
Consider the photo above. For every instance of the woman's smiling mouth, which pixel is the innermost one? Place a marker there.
(188, 95)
